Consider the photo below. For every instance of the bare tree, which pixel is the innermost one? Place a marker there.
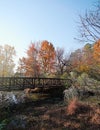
(61, 61)
(89, 27)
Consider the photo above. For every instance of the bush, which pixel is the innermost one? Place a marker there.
(70, 93)
(64, 76)
(73, 76)
(72, 106)
(3, 124)
(76, 107)
(82, 79)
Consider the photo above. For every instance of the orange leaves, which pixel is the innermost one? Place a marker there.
(39, 60)
(42, 59)
(47, 50)
(29, 65)
(47, 56)
(96, 52)
(32, 50)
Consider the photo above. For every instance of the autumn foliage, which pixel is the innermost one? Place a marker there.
(29, 66)
(40, 59)
(96, 52)
(44, 60)
(47, 57)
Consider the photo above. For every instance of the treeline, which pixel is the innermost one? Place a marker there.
(43, 60)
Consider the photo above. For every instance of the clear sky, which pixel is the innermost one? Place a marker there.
(23, 21)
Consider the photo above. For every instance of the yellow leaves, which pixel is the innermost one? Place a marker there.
(84, 68)
(6, 60)
(47, 50)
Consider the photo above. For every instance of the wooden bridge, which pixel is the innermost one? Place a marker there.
(20, 83)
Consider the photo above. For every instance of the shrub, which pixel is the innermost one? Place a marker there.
(82, 79)
(70, 93)
(3, 124)
(64, 75)
(76, 107)
(71, 109)
(73, 76)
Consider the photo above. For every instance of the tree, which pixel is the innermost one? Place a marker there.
(47, 57)
(76, 59)
(89, 27)
(7, 65)
(62, 62)
(29, 66)
(96, 51)
(21, 68)
(87, 57)
(82, 59)
(40, 60)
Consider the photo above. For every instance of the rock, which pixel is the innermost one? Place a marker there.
(35, 90)
(27, 90)
(11, 98)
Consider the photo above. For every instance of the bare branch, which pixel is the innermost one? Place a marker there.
(89, 28)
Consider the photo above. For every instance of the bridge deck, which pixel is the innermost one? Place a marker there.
(20, 83)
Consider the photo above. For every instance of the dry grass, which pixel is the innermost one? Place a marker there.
(95, 118)
(49, 116)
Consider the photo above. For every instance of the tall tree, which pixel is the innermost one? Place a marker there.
(95, 68)
(87, 57)
(76, 59)
(40, 60)
(21, 70)
(29, 66)
(82, 59)
(96, 51)
(47, 57)
(7, 65)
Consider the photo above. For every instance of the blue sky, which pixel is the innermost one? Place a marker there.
(23, 21)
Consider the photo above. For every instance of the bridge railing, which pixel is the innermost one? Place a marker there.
(30, 82)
